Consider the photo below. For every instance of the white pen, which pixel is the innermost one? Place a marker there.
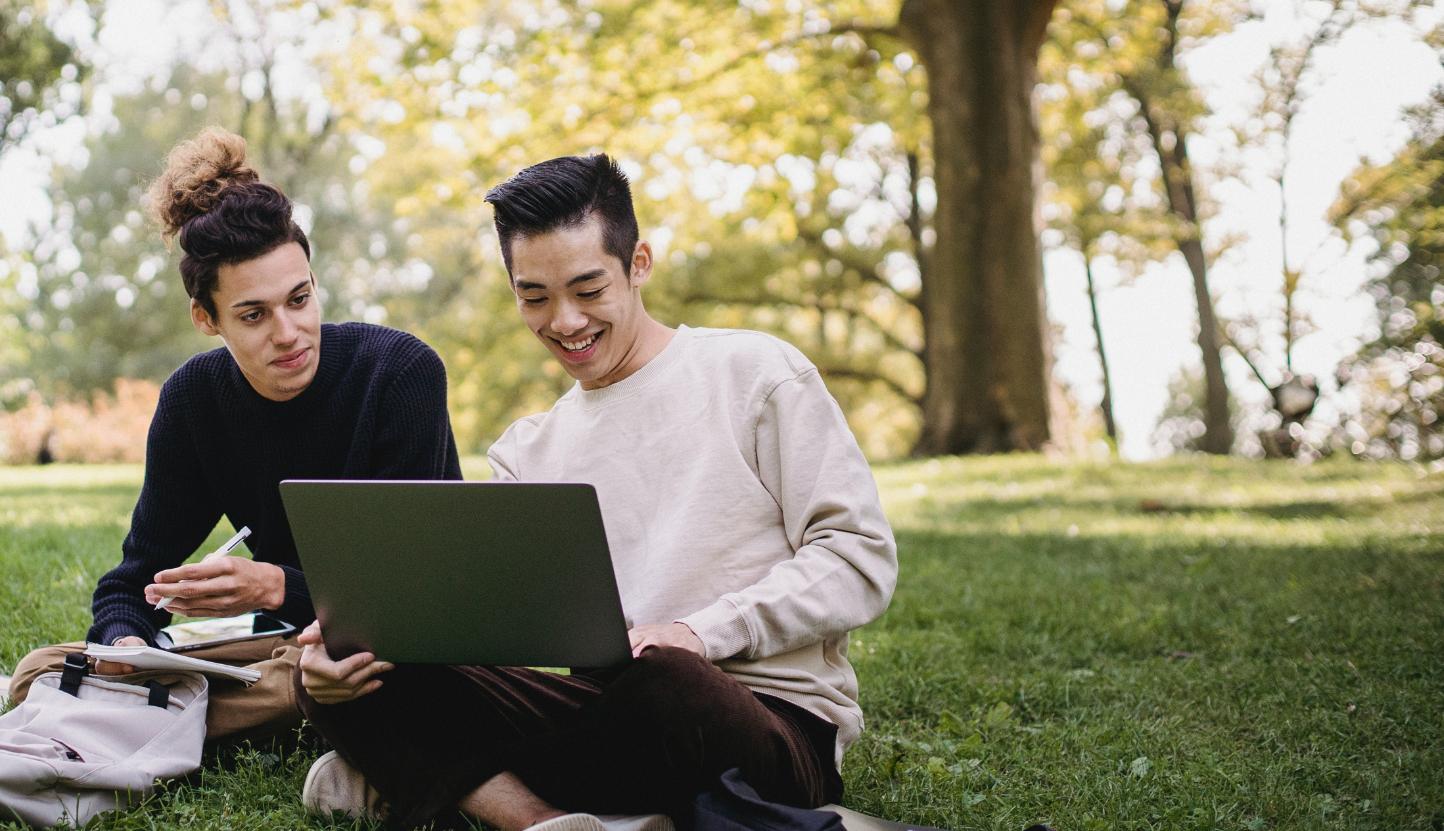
(229, 545)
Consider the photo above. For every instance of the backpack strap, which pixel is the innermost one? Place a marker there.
(159, 694)
(76, 668)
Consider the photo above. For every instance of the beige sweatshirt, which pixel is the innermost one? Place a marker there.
(736, 501)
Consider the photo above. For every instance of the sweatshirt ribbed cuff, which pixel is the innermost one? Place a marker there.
(721, 629)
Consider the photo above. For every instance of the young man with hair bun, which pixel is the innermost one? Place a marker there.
(745, 531)
(286, 397)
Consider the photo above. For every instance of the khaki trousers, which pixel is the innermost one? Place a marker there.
(236, 712)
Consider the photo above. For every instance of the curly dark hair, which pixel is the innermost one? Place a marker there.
(220, 209)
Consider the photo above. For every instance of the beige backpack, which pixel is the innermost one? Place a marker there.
(80, 745)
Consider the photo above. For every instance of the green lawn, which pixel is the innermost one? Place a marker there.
(1193, 644)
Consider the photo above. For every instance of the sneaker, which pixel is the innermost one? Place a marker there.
(619, 822)
(332, 785)
(639, 822)
(570, 822)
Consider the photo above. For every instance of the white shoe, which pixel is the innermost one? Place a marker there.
(640, 822)
(618, 822)
(570, 822)
(332, 785)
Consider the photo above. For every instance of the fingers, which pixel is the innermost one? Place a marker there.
(363, 675)
(311, 635)
(677, 635)
(341, 696)
(203, 570)
(334, 682)
(314, 660)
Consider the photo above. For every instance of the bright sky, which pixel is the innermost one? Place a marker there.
(1353, 112)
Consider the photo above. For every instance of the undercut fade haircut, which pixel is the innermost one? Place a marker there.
(564, 193)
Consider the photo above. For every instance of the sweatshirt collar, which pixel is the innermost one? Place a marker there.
(634, 383)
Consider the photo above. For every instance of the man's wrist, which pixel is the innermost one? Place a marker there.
(277, 595)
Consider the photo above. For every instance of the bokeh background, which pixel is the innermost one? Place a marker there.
(1132, 227)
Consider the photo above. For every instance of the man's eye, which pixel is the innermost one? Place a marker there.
(533, 301)
(590, 295)
(251, 317)
(300, 299)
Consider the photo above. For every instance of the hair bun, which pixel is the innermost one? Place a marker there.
(197, 174)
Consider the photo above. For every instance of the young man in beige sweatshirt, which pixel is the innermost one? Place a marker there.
(746, 535)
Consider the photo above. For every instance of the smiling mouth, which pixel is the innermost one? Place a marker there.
(576, 351)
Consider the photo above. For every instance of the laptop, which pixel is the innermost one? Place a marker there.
(447, 572)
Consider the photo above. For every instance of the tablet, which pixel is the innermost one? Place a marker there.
(207, 632)
(489, 573)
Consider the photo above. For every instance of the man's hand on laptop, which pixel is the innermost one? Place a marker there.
(219, 587)
(665, 634)
(336, 682)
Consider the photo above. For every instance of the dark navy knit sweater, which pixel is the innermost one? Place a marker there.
(375, 410)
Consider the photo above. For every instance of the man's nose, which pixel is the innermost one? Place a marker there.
(568, 319)
(285, 329)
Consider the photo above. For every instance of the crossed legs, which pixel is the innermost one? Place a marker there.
(514, 746)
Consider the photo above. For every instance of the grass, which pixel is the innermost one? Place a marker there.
(1192, 644)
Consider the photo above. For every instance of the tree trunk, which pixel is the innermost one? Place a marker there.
(985, 352)
(1107, 404)
(1169, 135)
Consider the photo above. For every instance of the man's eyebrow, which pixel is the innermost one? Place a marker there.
(240, 304)
(523, 285)
(585, 276)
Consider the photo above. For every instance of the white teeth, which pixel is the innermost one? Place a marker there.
(578, 345)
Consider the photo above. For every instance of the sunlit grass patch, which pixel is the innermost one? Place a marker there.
(1191, 644)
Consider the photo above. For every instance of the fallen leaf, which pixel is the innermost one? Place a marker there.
(1139, 767)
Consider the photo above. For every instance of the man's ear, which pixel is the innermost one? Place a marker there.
(202, 320)
(641, 263)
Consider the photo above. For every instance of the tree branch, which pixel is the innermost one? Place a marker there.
(866, 270)
(765, 299)
(764, 48)
(1243, 353)
(864, 375)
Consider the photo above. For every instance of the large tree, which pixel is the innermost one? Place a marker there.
(982, 297)
(853, 160)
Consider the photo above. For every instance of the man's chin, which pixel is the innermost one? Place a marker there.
(291, 386)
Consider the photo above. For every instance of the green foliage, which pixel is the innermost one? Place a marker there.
(33, 65)
(1195, 644)
(1399, 376)
(105, 300)
(771, 147)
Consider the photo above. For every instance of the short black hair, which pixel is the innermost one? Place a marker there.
(565, 192)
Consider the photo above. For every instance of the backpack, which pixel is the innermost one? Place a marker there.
(80, 745)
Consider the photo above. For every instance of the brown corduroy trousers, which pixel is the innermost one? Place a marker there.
(645, 738)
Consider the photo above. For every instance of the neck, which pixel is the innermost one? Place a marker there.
(650, 342)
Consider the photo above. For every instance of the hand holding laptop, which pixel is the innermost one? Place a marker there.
(335, 682)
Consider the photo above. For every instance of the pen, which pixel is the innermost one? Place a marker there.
(226, 548)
